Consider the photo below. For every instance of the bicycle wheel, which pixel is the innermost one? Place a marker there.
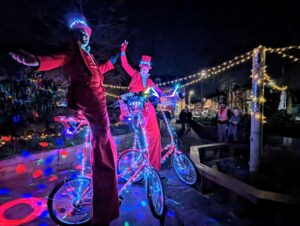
(129, 161)
(70, 202)
(185, 169)
(155, 194)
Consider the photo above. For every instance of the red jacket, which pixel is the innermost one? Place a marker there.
(85, 75)
(136, 83)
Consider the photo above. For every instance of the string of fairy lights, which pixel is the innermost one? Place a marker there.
(225, 66)
(203, 75)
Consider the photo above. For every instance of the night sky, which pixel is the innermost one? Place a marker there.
(182, 36)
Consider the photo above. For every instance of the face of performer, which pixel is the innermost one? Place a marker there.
(144, 72)
(82, 36)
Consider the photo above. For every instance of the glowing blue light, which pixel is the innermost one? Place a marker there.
(4, 191)
(48, 171)
(16, 118)
(170, 213)
(41, 186)
(154, 92)
(59, 141)
(25, 153)
(175, 90)
(126, 223)
(43, 224)
(143, 203)
(76, 22)
(49, 159)
(44, 213)
(27, 195)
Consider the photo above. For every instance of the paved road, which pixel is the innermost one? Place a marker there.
(24, 198)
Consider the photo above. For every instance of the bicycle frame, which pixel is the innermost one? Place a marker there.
(171, 147)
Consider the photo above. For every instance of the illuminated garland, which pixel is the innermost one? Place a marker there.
(261, 99)
(282, 52)
(111, 95)
(273, 85)
(204, 74)
(115, 87)
(6, 139)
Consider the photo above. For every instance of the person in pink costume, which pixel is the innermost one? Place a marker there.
(140, 82)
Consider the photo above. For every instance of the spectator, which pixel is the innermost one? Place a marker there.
(235, 123)
(222, 121)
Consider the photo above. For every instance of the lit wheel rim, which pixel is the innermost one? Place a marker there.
(129, 161)
(155, 194)
(70, 203)
(184, 169)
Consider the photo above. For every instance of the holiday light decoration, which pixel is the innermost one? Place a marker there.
(283, 54)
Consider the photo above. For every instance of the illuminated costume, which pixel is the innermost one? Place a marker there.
(86, 93)
(152, 129)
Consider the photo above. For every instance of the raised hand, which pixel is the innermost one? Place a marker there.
(25, 58)
(124, 46)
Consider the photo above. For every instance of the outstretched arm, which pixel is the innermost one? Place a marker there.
(43, 63)
(51, 62)
(127, 67)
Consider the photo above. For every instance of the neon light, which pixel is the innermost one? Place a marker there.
(49, 159)
(37, 205)
(77, 21)
(27, 195)
(25, 153)
(143, 203)
(4, 191)
(64, 154)
(20, 169)
(48, 171)
(37, 174)
(53, 178)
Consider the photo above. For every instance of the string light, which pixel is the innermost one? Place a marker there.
(204, 74)
(4, 139)
(273, 85)
(111, 95)
(283, 54)
(115, 87)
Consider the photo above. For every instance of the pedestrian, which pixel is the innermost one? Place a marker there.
(222, 122)
(235, 123)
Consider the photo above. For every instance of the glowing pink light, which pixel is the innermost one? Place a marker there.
(37, 205)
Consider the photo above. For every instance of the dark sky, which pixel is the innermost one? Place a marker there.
(183, 36)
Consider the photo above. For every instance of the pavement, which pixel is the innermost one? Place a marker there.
(23, 199)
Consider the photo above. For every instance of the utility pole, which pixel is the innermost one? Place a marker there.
(256, 137)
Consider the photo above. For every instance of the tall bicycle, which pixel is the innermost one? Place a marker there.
(182, 164)
(70, 201)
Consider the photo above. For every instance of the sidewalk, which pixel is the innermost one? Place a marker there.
(185, 205)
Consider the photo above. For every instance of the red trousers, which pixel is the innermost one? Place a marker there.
(153, 135)
(103, 158)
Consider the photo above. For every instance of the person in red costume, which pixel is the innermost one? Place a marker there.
(86, 94)
(140, 82)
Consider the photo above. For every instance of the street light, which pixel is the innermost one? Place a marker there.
(189, 98)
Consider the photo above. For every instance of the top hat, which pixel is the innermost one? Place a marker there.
(78, 21)
(145, 61)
